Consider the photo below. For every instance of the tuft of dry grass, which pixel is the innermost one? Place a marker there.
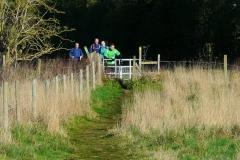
(164, 155)
(189, 98)
(5, 137)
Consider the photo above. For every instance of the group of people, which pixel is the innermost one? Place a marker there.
(106, 51)
(103, 49)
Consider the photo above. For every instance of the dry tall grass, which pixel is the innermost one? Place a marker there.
(27, 70)
(190, 98)
(53, 107)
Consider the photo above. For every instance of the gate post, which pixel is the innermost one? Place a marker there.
(134, 68)
(140, 58)
(225, 65)
(158, 63)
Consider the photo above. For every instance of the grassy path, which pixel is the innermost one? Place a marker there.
(92, 136)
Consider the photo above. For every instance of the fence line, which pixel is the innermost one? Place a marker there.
(132, 68)
(91, 71)
(42, 68)
(84, 79)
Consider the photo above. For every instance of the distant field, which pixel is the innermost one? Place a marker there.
(185, 114)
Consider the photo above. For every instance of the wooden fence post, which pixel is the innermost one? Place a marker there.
(72, 84)
(18, 108)
(92, 55)
(87, 79)
(64, 84)
(47, 88)
(104, 68)
(5, 105)
(93, 75)
(225, 65)
(99, 69)
(140, 58)
(134, 68)
(56, 90)
(158, 63)
(4, 62)
(34, 99)
(39, 64)
(81, 84)
(4, 67)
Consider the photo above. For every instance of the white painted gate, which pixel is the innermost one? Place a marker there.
(123, 68)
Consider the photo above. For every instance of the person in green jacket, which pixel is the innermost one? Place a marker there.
(111, 54)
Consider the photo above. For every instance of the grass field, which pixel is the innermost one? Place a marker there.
(185, 114)
(179, 114)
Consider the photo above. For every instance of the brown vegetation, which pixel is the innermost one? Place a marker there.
(189, 98)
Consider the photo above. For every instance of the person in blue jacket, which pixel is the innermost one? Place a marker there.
(103, 48)
(95, 47)
(76, 53)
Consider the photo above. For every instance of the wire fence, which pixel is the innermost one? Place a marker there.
(133, 68)
(41, 68)
(166, 65)
(45, 88)
(31, 89)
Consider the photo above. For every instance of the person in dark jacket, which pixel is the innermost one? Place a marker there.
(95, 47)
(76, 53)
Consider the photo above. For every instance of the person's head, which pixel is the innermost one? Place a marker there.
(112, 46)
(76, 45)
(104, 43)
(96, 40)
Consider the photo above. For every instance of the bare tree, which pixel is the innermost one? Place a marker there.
(26, 29)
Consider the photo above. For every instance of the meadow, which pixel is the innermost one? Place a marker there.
(45, 136)
(184, 114)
